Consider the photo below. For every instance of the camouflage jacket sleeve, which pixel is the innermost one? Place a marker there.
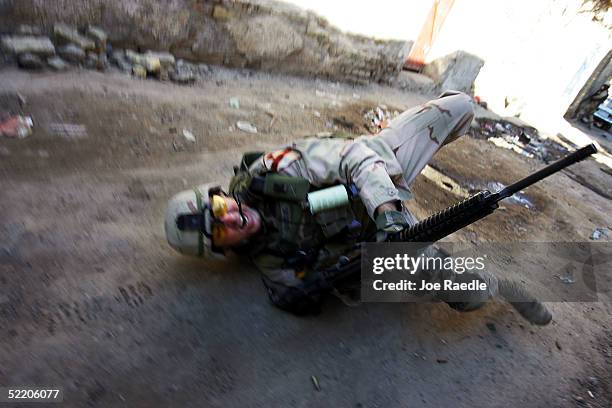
(272, 267)
(365, 162)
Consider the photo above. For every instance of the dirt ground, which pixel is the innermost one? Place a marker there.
(92, 299)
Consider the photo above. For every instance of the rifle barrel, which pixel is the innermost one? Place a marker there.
(560, 164)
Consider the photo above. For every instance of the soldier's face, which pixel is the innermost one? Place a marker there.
(234, 228)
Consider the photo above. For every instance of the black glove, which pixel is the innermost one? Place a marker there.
(293, 299)
(388, 223)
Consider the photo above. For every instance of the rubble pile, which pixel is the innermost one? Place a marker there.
(90, 49)
(511, 133)
(378, 118)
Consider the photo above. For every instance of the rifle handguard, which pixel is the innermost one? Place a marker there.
(450, 219)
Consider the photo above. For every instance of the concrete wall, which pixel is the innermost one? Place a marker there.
(259, 34)
(600, 76)
(538, 54)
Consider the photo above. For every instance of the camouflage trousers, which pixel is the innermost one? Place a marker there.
(414, 137)
(417, 134)
(460, 300)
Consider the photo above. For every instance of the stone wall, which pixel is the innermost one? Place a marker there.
(256, 34)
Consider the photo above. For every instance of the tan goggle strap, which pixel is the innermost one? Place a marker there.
(199, 201)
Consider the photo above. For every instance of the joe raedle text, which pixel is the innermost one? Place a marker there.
(422, 285)
(425, 267)
(405, 273)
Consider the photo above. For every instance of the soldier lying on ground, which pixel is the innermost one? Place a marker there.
(286, 242)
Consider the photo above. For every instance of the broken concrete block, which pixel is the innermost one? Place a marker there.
(132, 56)
(98, 35)
(91, 62)
(411, 81)
(166, 59)
(456, 71)
(118, 58)
(28, 44)
(148, 61)
(152, 64)
(72, 53)
(30, 61)
(57, 63)
(139, 71)
(65, 34)
(204, 69)
(185, 73)
(117, 55)
(265, 38)
(102, 62)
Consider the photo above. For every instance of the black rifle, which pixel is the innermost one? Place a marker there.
(446, 221)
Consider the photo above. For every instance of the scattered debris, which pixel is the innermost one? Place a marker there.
(598, 233)
(22, 100)
(441, 360)
(421, 356)
(16, 126)
(317, 114)
(378, 118)
(68, 130)
(518, 198)
(514, 134)
(480, 102)
(568, 278)
(189, 136)
(234, 102)
(315, 382)
(593, 381)
(246, 126)
(590, 394)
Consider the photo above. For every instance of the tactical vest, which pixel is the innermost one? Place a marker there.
(288, 226)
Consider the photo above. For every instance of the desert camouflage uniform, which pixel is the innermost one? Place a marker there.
(382, 167)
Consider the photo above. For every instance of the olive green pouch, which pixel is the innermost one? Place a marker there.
(286, 187)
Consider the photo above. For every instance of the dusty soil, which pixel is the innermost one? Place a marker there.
(93, 300)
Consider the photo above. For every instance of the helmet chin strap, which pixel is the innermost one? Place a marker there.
(244, 219)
